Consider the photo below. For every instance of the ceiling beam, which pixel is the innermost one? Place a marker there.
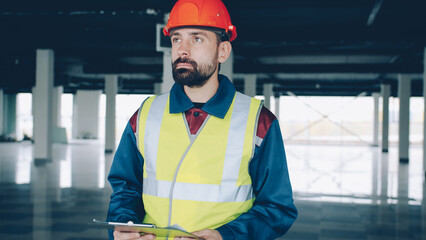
(374, 11)
(327, 68)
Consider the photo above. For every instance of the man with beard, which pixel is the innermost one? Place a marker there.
(202, 156)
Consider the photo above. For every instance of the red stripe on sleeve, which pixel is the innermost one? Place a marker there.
(265, 120)
(133, 121)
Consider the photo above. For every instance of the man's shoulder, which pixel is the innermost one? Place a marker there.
(266, 118)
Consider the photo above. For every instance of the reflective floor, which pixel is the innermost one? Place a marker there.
(341, 191)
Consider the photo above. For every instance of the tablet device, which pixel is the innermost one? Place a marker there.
(143, 228)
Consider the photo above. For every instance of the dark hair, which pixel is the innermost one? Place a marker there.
(221, 36)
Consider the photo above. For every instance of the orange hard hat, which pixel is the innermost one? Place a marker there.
(203, 13)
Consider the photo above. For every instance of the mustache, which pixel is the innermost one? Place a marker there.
(185, 60)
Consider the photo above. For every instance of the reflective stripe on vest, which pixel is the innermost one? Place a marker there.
(176, 164)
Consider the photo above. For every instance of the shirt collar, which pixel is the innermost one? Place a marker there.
(217, 106)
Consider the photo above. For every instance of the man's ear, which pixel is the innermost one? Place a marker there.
(224, 51)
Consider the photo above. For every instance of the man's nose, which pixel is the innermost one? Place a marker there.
(184, 49)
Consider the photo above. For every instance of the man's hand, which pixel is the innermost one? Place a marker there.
(206, 234)
(132, 236)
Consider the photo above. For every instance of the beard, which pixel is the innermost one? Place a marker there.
(197, 76)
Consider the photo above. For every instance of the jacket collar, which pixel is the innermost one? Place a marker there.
(217, 106)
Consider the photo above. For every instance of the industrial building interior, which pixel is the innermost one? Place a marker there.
(346, 80)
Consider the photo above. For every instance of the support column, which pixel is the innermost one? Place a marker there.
(43, 105)
(74, 130)
(423, 212)
(167, 72)
(40, 196)
(157, 88)
(404, 93)
(59, 132)
(383, 211)
(424, 110)
(277, 106)
(250, 84)
(376, 97)
(33, 103)
(9, 120)
(1, 112)
(267, 92)
(56, 108)
(384, 179)
(385, 88)
(227, 68)
(111, 88)
(11, 113)
(402, 208)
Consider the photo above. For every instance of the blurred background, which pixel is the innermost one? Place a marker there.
(345, 79)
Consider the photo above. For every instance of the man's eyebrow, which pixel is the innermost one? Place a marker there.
(196, 33)
(176, 34)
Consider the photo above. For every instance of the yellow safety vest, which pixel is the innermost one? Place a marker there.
(196, 181)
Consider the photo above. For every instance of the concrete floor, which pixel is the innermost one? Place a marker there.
(341, 191)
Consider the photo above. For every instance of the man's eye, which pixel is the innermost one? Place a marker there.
(197, 39)
(175, 40)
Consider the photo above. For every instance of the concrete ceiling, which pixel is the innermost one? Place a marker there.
(308, 47)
